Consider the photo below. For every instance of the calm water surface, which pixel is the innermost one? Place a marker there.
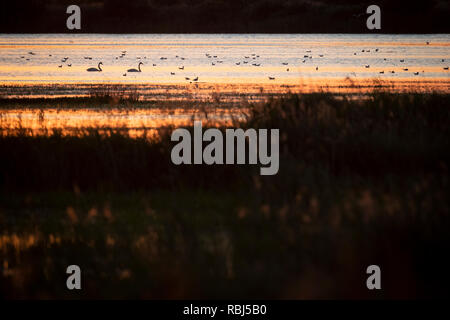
(220, 58)
(236, 66)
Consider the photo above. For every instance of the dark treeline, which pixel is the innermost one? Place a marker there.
(227, 16)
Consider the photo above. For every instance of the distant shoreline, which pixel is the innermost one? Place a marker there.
(214, 91)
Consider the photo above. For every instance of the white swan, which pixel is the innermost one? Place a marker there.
(95, 69)
(136, 70)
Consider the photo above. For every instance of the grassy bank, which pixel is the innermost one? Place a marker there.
(360, 182)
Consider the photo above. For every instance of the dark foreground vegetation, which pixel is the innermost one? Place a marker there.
(361, 182)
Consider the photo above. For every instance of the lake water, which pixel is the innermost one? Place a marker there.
(222, 58)
(225, 67)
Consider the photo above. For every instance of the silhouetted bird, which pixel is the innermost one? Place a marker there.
(95, 69)
(136, 70)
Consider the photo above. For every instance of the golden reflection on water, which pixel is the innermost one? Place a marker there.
(218, 104)
(134, 122)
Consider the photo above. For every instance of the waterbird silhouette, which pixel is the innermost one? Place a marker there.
(95, 69)
(136, 70)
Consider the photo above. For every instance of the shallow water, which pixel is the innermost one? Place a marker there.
(35, 58)
(134, 122)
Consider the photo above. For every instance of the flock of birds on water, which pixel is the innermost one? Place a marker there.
(252, 59)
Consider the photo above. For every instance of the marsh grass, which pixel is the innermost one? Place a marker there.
(361, 181)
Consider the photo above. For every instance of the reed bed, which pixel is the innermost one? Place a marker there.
(361, 181)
